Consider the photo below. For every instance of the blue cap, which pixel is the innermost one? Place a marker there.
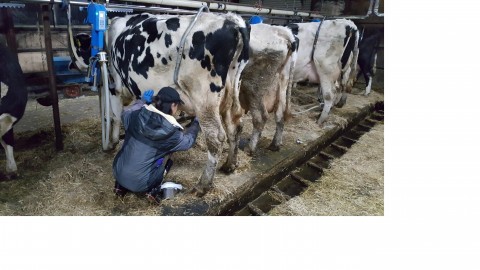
(316, 20)
(256, 19)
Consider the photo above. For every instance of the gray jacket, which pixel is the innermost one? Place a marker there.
(149, 136)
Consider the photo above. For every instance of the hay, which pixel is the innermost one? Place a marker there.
(79, 180)
(353, 185)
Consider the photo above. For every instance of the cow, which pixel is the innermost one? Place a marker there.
(367, 57)
(267, 80)
(144, 50)
(80, 51)
(332, 62)
(12, 106)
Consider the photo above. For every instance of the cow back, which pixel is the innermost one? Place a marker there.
(333, 41)
(144, 50)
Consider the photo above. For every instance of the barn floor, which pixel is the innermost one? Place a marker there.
(79, 181)
(352, 186)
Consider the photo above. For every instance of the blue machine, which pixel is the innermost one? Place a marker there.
(97, 17)
(256, 19)
(63, 74)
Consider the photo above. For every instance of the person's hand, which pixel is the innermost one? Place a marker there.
(195, 119)
(147, 96)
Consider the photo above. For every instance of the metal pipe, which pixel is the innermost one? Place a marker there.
(197, 4)
(53, 86)
(182, 43)
(222, 7)
(375, 9)
(30, 50)
(57, 29)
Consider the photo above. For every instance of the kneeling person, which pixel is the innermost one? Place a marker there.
(151, 134)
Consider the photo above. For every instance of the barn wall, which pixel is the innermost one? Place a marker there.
(36, 61)
(29, 38)
(280, 4)
(329, 7)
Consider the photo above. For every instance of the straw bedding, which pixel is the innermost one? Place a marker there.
(352, 186)
(79, 180)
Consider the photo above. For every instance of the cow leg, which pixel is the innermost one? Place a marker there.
(367, 76)
(320, 94)
(259, 118)
(368, 81)
(342, 100)
(233, 135)
(214, 136)
(116, 112)
(277, 138)
(328, 88)
(280, 114)
(7, 140)
(341, 96)
(374, 67)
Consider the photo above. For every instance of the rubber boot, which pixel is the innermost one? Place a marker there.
(119, 190)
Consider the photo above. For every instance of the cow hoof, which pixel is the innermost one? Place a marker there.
(111, 147)
(273, 147)
(8, 177)
(248, 150)
(45, 101)
(199, 190)
(228, 168)
(342, 101)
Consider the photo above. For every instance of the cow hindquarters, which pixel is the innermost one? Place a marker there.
(6, 134)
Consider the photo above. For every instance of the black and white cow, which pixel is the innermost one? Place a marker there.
(12, 106)
(80, 53)
(333, 62)
(144, 50)
(267, 80)
(367, 57)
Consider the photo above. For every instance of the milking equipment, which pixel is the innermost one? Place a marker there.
(97, 18)
(256, 19)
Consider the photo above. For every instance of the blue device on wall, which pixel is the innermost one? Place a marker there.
(97, 17)
(256, 19)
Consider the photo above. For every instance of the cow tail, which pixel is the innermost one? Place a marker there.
(292, 55)
(242, 62)
(356, 51)
(349, 57)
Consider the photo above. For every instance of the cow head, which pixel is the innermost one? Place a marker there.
(80, 53)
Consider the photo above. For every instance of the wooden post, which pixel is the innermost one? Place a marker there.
(9, 30)
(53, 85)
